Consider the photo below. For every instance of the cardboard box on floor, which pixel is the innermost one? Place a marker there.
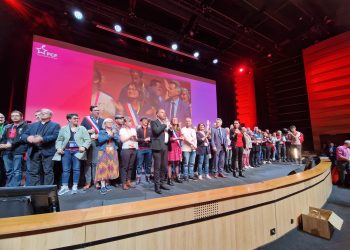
(321, 222)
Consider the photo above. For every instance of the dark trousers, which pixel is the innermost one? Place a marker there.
(128, 159)
(237, 155)
(160, 166)
(266, 152)
(255, 156)
(39, 164)
(90, 165)
(343, 166)
(282, 152)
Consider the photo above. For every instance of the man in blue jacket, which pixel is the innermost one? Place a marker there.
(41, 137)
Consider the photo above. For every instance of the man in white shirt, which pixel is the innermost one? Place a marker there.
(189, 147)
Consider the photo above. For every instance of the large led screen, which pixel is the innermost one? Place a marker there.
(67, 78)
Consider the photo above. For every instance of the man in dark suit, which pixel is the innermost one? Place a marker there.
(219, 146)
(93, 124)
(174, 106)
(41, 137)
(159, 146)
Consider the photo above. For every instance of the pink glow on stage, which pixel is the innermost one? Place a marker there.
(61, 77)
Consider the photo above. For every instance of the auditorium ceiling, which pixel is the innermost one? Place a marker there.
(231, 30)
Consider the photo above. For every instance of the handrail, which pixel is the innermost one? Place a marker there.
(25, 224)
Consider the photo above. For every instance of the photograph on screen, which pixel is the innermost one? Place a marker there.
(134, 93)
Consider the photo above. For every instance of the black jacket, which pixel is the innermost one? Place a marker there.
(19, 147)
(158, 135)
(141, 137)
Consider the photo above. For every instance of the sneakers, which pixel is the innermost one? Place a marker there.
(200, 177)
(103, 190)
(74, 190)
(208, 177)
(63, 190)
(108, 188)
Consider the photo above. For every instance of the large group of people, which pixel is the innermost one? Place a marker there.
(104, 152)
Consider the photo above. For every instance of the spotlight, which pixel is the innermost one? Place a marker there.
(196, 54)
(241, 70)
(269, 55)
(215, 61)
(174, 46)
(149, 38)
(78, 15)
(118, 28)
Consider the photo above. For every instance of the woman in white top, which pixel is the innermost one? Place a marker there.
(128, 137)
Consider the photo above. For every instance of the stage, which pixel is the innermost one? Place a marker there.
(145, 191)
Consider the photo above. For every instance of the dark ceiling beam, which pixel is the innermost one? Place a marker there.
(227, 18)
(274, 12)
(211, 25)
(268, 15)
(271, 45)
(300, 5)
(132, 7)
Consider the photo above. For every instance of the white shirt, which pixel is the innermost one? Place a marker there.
(126, 133)
(190, 135)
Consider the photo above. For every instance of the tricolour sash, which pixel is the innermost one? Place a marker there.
(92, 124)
(132, 114)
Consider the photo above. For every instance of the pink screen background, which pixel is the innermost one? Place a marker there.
(61, 76)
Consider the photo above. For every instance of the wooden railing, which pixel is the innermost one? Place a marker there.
(237, 217)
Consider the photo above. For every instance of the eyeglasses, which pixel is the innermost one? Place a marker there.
(96, 110)
(75, 118)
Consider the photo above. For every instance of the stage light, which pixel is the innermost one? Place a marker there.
(174, 46)
(78, 14)
(118, 28)
(196, 54)
(269, 55)
(215, 61)
(241, 70)
(149, 38)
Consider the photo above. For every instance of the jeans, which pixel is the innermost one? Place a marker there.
(144, 158)
(68, 161)
(228, 157)
(188, 163)
(13, 168)
(203, 163)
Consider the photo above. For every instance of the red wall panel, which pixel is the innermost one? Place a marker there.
(327, 72)
(245, 98)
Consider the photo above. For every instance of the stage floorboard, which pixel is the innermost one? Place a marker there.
(144, 191)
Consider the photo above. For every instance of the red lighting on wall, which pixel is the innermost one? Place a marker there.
(327, 73)
(17, 6)
(245, 96)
